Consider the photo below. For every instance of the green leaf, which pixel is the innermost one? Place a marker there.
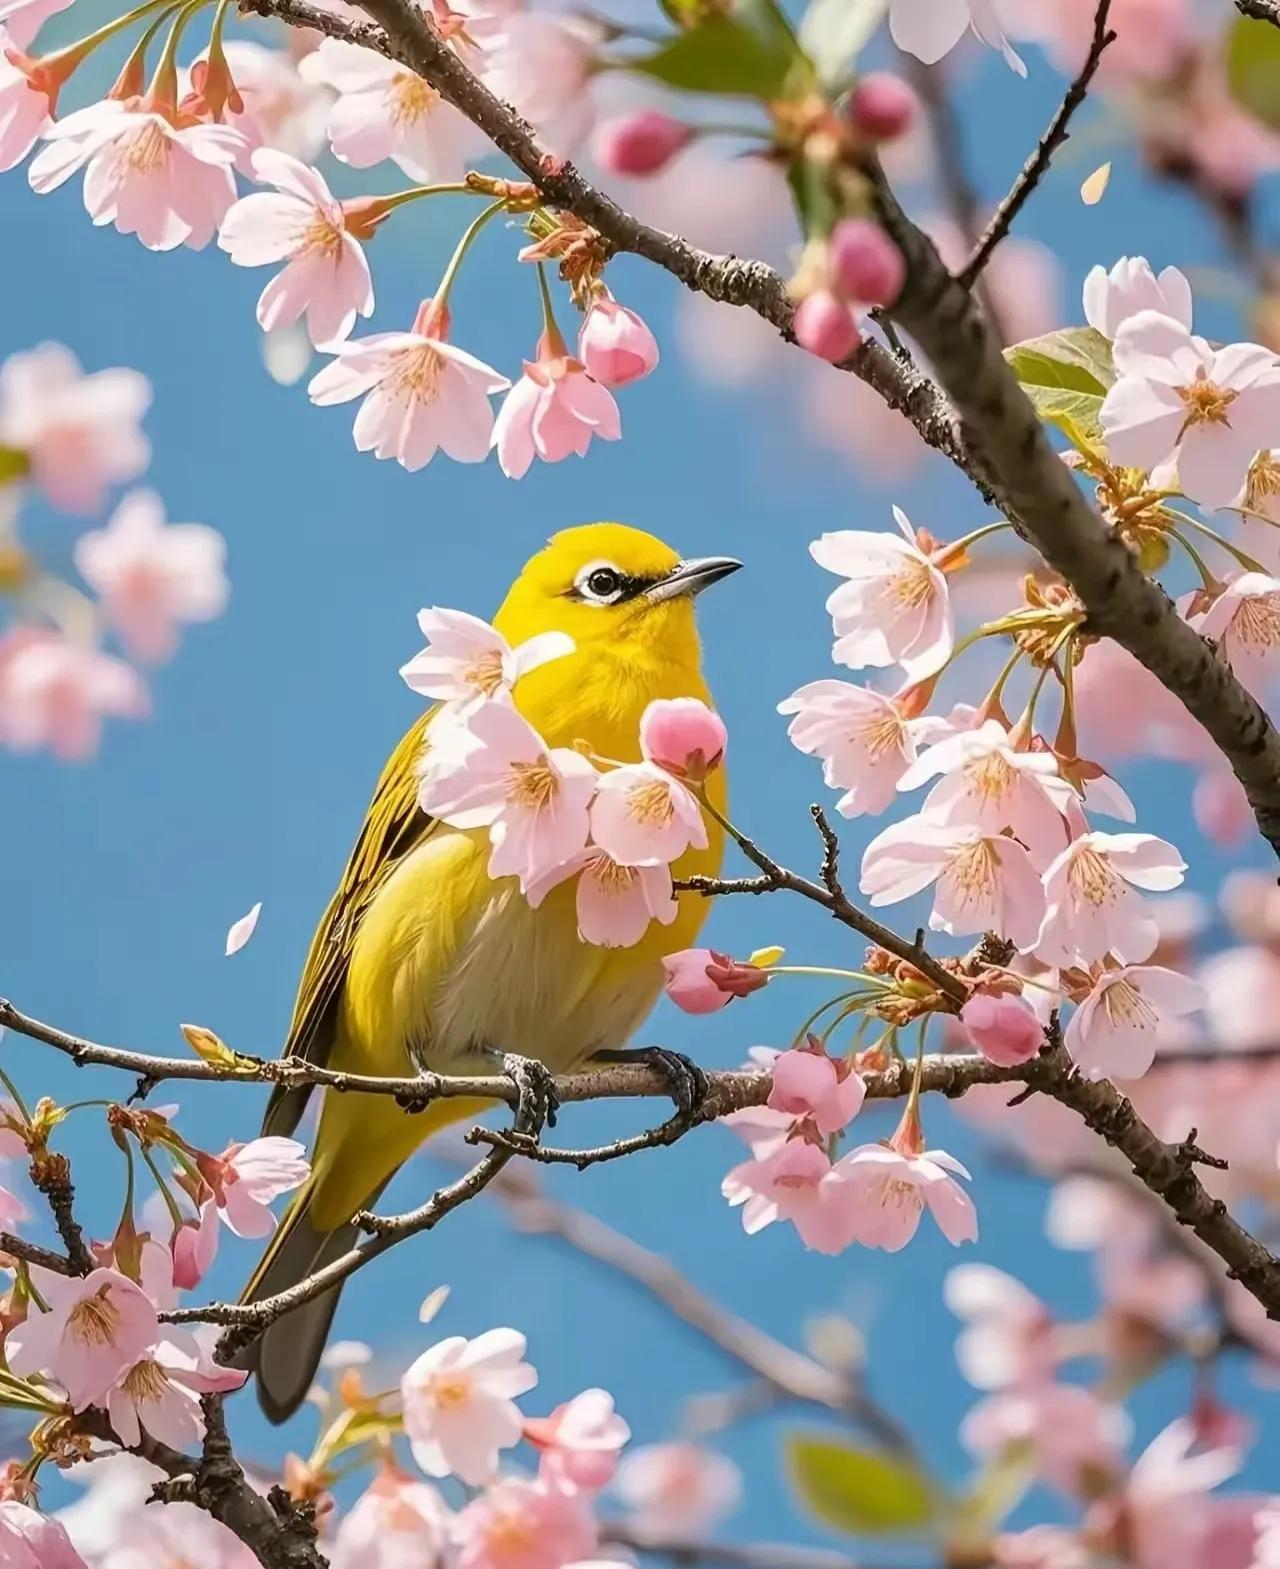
(1074, 413)
(1075, 358)
(1253, 68)
(833, 33)
(750, 53)
(859, 1490)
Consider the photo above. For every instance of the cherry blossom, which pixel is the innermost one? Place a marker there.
(888, 1190)
(518, 1524)
(170, 184)
(700, 980)
(279, 108)
(1004, 1028)
(194, 1245)
(677, 1491)
(541, 63)
(26, 102)
(421, 394)
(865, 742)
(95, 1329)
(467, 661)
(1244, 621)
(459, 1403)
(398, 1522)
(1179, 401)
(552, 411)
(614, 903)
(881, 106)
(384, 110)
(493, 771)
(1170, 1516)
(579, 1442)
(55, 692)
(795, 1182)
(1115, 1031)
(826, 325)
(160, 1393)
(24, 18)
(153, 575)
(1091, 906)
(1008, 1336)
(683, 736)
(245, 1179)
(614, 344)
(80, 434)
(30, 1540)
(930, 29)
(1111, 298)
(1068, 1434)
(326, 276)
(640, 143)
(809, 1083)
(644, 816)
(984, 882)
(894, 609)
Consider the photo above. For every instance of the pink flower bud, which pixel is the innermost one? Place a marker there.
(699, 980)
(683, 736)
(614, 344)
(640, 143)
(1004, 1028)
(826, 326)
(881, 106)
(865, 263)
(809, 1083)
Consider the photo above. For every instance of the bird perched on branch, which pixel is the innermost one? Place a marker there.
(423, 962)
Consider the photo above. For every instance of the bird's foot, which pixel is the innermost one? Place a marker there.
(538, 1100)
(686, 1081)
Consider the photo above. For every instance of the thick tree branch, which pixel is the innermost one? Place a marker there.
(31, 1253)
(1037, 165)
(1260, 10)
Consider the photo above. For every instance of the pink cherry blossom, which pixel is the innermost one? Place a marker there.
(384, 110)
(55, 692)
(579, 1442)
(930, 29)
(894, 610)
(796, 1182)
(1153, 37)
(325, 276)
(1004, 1028)
(194, 1245)
(552, 411)
(1111, 298)
(1008, 1336)
(1178, 400)
(615, 903)
(421, 394)
(1244, 621)
(1221, 807)
(881, 106)
(245, 1179)
(614, 344)
(467, 662)
(494, 771)
(25, 18)
(640, 143)
(1172, 1519)
(30, 1540)
(983, 882)
(151, 576)
(541, 63)
(459, 1403)
(644, 816)
(279, 108)
(1091, 906)
(683, 736)
(168, 184)
(1115, 1031)
(518, 1524)
(863, 739)
(160, 1394)
(80, 433)
(700, 980)
(826, 326)
(677, 1491)
(866, 267)
(809, 1083)
(1067, 1433)
(26, 104)
(398, 1522)
(887, 1191)
(988, 784)
(95, 1329)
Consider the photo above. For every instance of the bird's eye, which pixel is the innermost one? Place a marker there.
(602, 584)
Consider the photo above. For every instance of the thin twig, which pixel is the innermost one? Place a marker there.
(1033, 171)
(732, 1555)
(51, 1175)
(32, 1253)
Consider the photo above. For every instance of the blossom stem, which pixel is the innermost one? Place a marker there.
(1207, 578)
(164, 84)
(66, 60)
(1023, 728)
(15, 1095)
(550, 328)
(130, 80)
(1248, 562)
(464, 245)
(831, 1002)
(821, 969)
(854, 1003)
(170, 1203)
(399, 198)
(945, 553)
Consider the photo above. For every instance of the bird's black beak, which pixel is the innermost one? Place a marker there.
(691, 577)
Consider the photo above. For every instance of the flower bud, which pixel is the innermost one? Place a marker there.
(615, 344)
(826, 326)
(683, 736)
(1003, 1027)
(881, 106)
(700, 980)
(865, 263)
(640, 143)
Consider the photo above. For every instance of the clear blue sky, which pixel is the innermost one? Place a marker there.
(270, 726)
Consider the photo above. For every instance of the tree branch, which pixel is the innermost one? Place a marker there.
(1260, 10)
(51, 1175)
(1035, 168)
(732, 1555)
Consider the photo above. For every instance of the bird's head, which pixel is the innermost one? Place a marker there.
(614, 588)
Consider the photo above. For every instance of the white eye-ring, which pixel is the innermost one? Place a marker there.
(600, 583)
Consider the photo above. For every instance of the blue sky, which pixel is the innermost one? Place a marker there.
(271, 725)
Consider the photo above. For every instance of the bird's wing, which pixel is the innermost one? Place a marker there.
(393, 825)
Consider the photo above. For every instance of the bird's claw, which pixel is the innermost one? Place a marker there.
(686, 1081)
(538, 1100)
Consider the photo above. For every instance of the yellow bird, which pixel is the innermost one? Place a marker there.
(421, 961)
